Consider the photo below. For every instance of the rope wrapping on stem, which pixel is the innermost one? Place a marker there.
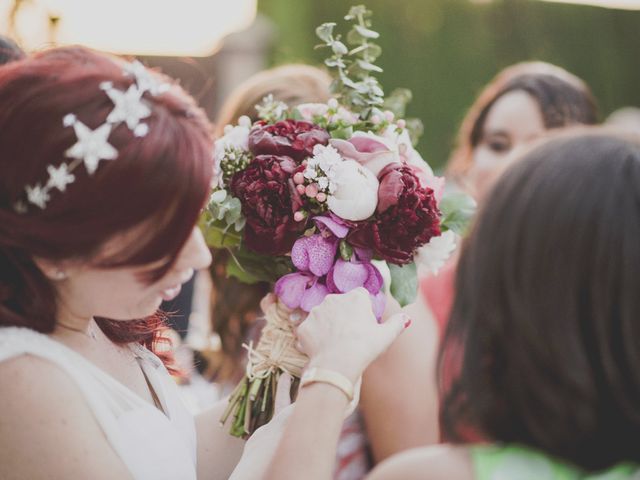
(276, 351)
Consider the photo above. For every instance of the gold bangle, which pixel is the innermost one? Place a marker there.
(321, 375)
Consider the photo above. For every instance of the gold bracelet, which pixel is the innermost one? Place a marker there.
(321, 375)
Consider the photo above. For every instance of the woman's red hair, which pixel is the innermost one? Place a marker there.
(161, 180)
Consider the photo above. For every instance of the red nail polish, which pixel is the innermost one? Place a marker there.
(407, 323)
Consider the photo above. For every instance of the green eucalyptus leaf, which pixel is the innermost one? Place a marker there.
(325, 32)
(354, 38)
(404, 283)
(369, 67)
(397, 101)
(365, 32)
(373, 51)
(416, 129)
(356, 11)
(240, 223)
(219, 196)
(457, 210)
(339, 48)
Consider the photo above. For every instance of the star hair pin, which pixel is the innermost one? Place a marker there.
(92, 146)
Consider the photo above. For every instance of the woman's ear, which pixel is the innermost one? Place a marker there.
(54, 271)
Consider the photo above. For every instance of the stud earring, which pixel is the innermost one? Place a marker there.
(60, 274)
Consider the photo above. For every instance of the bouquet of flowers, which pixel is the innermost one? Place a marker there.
(320, 199)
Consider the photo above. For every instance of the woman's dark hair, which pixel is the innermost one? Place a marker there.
(545, 326)
(159, 182)
(563, 99)
(9, 50)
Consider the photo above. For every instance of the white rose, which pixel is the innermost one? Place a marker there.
(356, 194)
(435, 254)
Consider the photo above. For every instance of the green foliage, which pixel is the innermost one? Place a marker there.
(250, 267)
(346, 250)
(355, 86)
(457, 210)
(404, 283)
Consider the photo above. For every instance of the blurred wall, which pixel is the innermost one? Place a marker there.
(446, 50)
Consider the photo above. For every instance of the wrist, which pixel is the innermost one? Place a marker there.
(315, 375)
(333, 364)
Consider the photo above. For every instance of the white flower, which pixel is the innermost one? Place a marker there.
(310, 173)
(38, 195)
(326, 157)
(234, 138)
(59, 177)
(128, 106)
(244, 121)
(356, 192)
(92, 146)
(310, 110)
(323, 183)
(435, 254)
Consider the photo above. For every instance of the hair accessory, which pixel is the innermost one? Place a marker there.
(92, 146)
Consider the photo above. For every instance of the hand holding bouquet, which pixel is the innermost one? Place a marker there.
(321, 199)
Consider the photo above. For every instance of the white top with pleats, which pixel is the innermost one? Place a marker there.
(153, 445)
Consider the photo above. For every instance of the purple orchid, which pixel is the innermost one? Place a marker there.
(314, 254)
(345, 276)
(319, 273)
(301, 290)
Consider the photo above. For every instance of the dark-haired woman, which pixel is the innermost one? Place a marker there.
(544, 328)
(104, 169)
(546, 315)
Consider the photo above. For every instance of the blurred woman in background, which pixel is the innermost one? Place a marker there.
(522, 103)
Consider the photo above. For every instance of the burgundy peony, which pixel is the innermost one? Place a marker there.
(407, 217)
(294, 138)
(269, 201)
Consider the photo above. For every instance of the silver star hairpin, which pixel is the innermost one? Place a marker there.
(92, 146)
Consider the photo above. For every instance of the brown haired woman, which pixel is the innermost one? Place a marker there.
(104, 169)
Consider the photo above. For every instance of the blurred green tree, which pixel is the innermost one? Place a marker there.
(445, 51)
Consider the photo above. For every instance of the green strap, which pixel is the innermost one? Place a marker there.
(492, 462)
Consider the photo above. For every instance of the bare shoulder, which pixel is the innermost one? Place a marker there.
(441, 462)
(44, 416)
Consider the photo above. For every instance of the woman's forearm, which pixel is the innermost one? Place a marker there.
(308, 446)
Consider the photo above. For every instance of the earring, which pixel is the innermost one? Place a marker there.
(60, 274)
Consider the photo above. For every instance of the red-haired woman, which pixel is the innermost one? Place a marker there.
(104, 168)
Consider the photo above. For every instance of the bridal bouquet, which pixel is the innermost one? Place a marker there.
(320, 199)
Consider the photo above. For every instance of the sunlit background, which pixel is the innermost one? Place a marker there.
(443, 50)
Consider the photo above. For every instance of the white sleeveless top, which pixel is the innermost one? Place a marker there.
(152, 445)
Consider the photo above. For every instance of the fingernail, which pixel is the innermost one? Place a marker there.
(407, 323)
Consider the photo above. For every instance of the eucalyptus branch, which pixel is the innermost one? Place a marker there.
(355, 85)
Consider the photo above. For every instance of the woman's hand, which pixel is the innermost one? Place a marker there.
(342, 334)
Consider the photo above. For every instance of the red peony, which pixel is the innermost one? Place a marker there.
(293, 138)
(407, 217)
(269, 201)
